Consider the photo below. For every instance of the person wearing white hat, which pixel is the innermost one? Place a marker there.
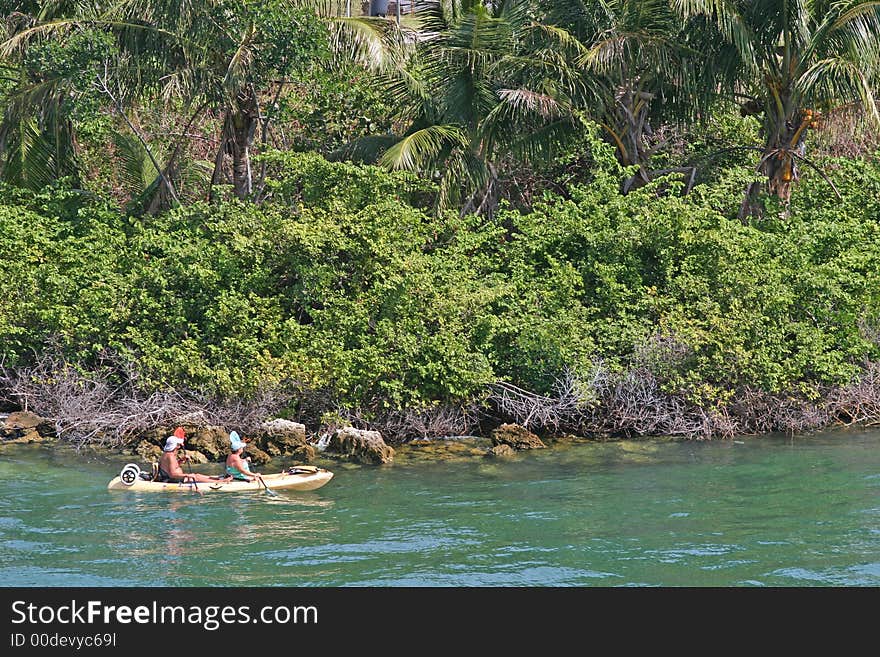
(170, 469)
(236, 466)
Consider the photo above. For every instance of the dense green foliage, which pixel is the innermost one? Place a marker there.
(340, 283)
(556, 187)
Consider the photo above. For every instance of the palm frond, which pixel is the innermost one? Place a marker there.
(31, 161)
(525, 101)
(465, 175)
(858, 9)
(136, 172)
(374, 43)
(35, 157)
(837, 82)
(422, 148)
(733, 27)
(560, 38)
(237, 69)
(542, 144)
(366, 150)
(17, 42)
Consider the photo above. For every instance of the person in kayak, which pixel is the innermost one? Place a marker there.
(238, 467)
(170, 469)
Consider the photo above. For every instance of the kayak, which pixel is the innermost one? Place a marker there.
(298, 478)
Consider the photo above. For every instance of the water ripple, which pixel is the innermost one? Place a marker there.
(760, 514)
(853, 576)
(512, 576)
(35, 576)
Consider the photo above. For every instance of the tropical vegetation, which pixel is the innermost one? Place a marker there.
(605, 203)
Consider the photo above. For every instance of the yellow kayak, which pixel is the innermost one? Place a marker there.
(300, 477)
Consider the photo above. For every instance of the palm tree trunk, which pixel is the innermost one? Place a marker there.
(243, 122)
(750, 205)
(239, 127)
(785, 131)
(782, 147)
(630, 132)
(219, 158)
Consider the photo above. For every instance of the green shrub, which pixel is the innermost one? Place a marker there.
(341, 283)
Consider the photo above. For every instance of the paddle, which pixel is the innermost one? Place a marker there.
(247, 467)
(266, 486)
(192, 482)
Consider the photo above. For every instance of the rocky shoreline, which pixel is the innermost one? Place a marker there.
(284, 439)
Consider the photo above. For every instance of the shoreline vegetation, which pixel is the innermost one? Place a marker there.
(314, 224)
(510, 420)
(337, 303)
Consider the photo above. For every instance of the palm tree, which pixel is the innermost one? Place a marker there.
(478, 85)
(218, 57)
(36, 131)
(640, 71)
(38, 148)
(789, 62)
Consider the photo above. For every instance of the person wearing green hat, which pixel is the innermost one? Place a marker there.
(236, 466)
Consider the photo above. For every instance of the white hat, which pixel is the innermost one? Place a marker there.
(171, 442)
(237, 443)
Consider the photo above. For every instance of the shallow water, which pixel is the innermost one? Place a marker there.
(769, 511)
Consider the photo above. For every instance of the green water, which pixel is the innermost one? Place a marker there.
(769, 511)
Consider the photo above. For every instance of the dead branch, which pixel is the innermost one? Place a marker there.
(106, 406)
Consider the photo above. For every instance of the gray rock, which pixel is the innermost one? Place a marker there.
(212, 442)
(26, 427)
(361, 446)
(279, 426)
(285, 438)
(517, 437)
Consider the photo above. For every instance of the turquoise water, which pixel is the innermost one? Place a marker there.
(770, 511)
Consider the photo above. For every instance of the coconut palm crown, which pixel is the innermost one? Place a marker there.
(791, 62)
